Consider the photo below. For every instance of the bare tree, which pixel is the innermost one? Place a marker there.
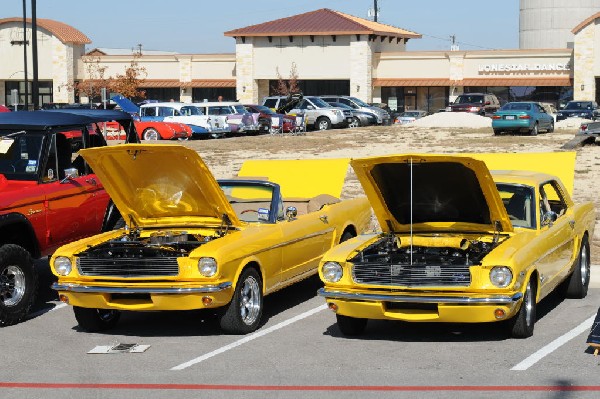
(95, 79)
(286, 87)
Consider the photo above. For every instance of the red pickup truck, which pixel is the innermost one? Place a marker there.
(49, 196)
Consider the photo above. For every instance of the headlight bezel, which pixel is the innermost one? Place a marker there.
(207, 266)
(501, 276)
(332, 272)
(63, 265)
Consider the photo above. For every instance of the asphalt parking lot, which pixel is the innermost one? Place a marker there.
(299, 351)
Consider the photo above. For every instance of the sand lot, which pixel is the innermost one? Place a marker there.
(225, 156)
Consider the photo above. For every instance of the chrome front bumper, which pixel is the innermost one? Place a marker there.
(492, 299)
(141, 290)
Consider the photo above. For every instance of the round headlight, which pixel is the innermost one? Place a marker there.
(332, 272)
(207, 267)
(62, 265)
(501, 276)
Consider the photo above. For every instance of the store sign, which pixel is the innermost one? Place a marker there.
(524, 67)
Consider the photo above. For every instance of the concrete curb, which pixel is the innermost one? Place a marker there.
(595, 276)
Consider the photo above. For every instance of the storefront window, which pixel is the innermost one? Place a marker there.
(200, 94)
(44, 90)
(165, 94)
(430, 99)
(556, 95)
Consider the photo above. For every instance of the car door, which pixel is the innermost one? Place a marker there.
(74, 206)
(150, 114)
(557, 236)
(306, 237)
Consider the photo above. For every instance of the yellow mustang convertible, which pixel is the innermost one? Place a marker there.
(460, 244)
(191, 242)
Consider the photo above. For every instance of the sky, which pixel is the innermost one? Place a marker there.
(197, 26)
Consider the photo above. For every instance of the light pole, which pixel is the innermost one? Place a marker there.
(35, 88)
(25, 54)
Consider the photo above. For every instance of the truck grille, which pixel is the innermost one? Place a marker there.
(411, 275)
(347, 113)
(128, 267)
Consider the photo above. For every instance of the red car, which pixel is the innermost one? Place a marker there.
(151, 131)
(266, 113)
(4, 109)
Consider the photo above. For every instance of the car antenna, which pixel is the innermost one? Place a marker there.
(411, 211)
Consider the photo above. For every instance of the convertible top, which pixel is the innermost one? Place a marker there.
(64, 118)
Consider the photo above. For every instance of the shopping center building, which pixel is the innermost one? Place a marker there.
(331, 52)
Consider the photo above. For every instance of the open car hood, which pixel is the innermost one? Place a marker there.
(432, 193)
(160, 184)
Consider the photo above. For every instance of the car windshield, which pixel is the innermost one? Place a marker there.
(239, 109)
(414, 114)
(519, 203)
(20, 155)
(516, 107)
(469, 99)
(317, 102)
(340, 105)
(189, 110)
(250, 201)
(579, 105)
(359, 102)
(263, 109)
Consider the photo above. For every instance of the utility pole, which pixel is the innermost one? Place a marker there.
(375, 11)
(35, 87)
(26, 108)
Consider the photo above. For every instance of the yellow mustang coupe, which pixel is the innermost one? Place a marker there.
(459, 244)
(191, 242)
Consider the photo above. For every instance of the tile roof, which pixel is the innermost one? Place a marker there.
(65, 33)
(321, 22)
(127, 51)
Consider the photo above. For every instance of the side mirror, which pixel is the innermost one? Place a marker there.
(291, 212)
(548, 218)
(310, 107)
(70, 174)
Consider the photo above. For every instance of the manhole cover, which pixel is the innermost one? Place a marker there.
(119, 348)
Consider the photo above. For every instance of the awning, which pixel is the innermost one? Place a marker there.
(174, 83)
(491, 81)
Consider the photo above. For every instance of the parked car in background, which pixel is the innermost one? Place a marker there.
(579, 109)
(265, 115)
(477, 103)
(319, 115)
(524, 117)
(47, 106)
(196, 243)
(49, 196)
(202, 125)
(409, 116)
(459, 244)
(237, 117)
(392, 113)
(359, 118)
(356, 104)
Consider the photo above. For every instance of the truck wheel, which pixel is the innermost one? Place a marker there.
(521, 326)
(323, 123)
(577, 283)
(151, 134)
(18, 284)
(244, 312)
(351, 325)
(94, 320)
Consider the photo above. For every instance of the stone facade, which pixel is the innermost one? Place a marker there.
(584, 82)
(361, 68)
(246, 85)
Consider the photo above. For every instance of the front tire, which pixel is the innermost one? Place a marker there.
(355, 122)
(351, 326)
(245, 309)
(323, 123)
(18, 284)
(521, 326)
(579, 280)
(95, 320)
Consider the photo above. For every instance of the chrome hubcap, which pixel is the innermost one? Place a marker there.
(151, 135)
(250, 301)
(12, 285)
(584, 265)
(528, 305)
(323, 125)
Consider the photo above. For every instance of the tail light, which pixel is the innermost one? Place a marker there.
(474, 109)
(583, 127)
(496, 117)
(524, 117)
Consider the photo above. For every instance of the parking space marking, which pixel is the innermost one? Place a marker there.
(249, 338)
(554, 345)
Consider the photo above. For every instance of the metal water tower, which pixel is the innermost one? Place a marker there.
(548, 23)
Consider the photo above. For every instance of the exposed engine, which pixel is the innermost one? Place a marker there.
(430, 261)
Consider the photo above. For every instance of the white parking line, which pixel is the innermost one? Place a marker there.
(554, 345)
(40, 312)
(249, 338)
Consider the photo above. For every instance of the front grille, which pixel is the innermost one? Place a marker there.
(347, 113)
(128, 267)
(415, 275)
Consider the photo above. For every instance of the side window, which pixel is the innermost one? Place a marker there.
(552, 199)
(303, 104)
(348, 102)
(270, 102)
(148, 111)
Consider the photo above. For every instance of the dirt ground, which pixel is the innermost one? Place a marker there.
(225, 156)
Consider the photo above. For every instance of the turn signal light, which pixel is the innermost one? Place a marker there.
(63, 298)
(499, 313)
(206, 300)
(332, 306)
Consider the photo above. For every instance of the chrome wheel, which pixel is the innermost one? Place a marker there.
(584, 266)
(12, 285)
(355, 122)
(528, 304)
(250, 300)
(151, 134)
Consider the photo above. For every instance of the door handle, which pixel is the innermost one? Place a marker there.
(572, 224)
(324, 219)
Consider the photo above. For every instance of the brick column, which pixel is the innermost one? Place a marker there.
(457, 73)
(185, 76)
(246, 85)
(62, 71)
(361, 68)
(583, 68)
